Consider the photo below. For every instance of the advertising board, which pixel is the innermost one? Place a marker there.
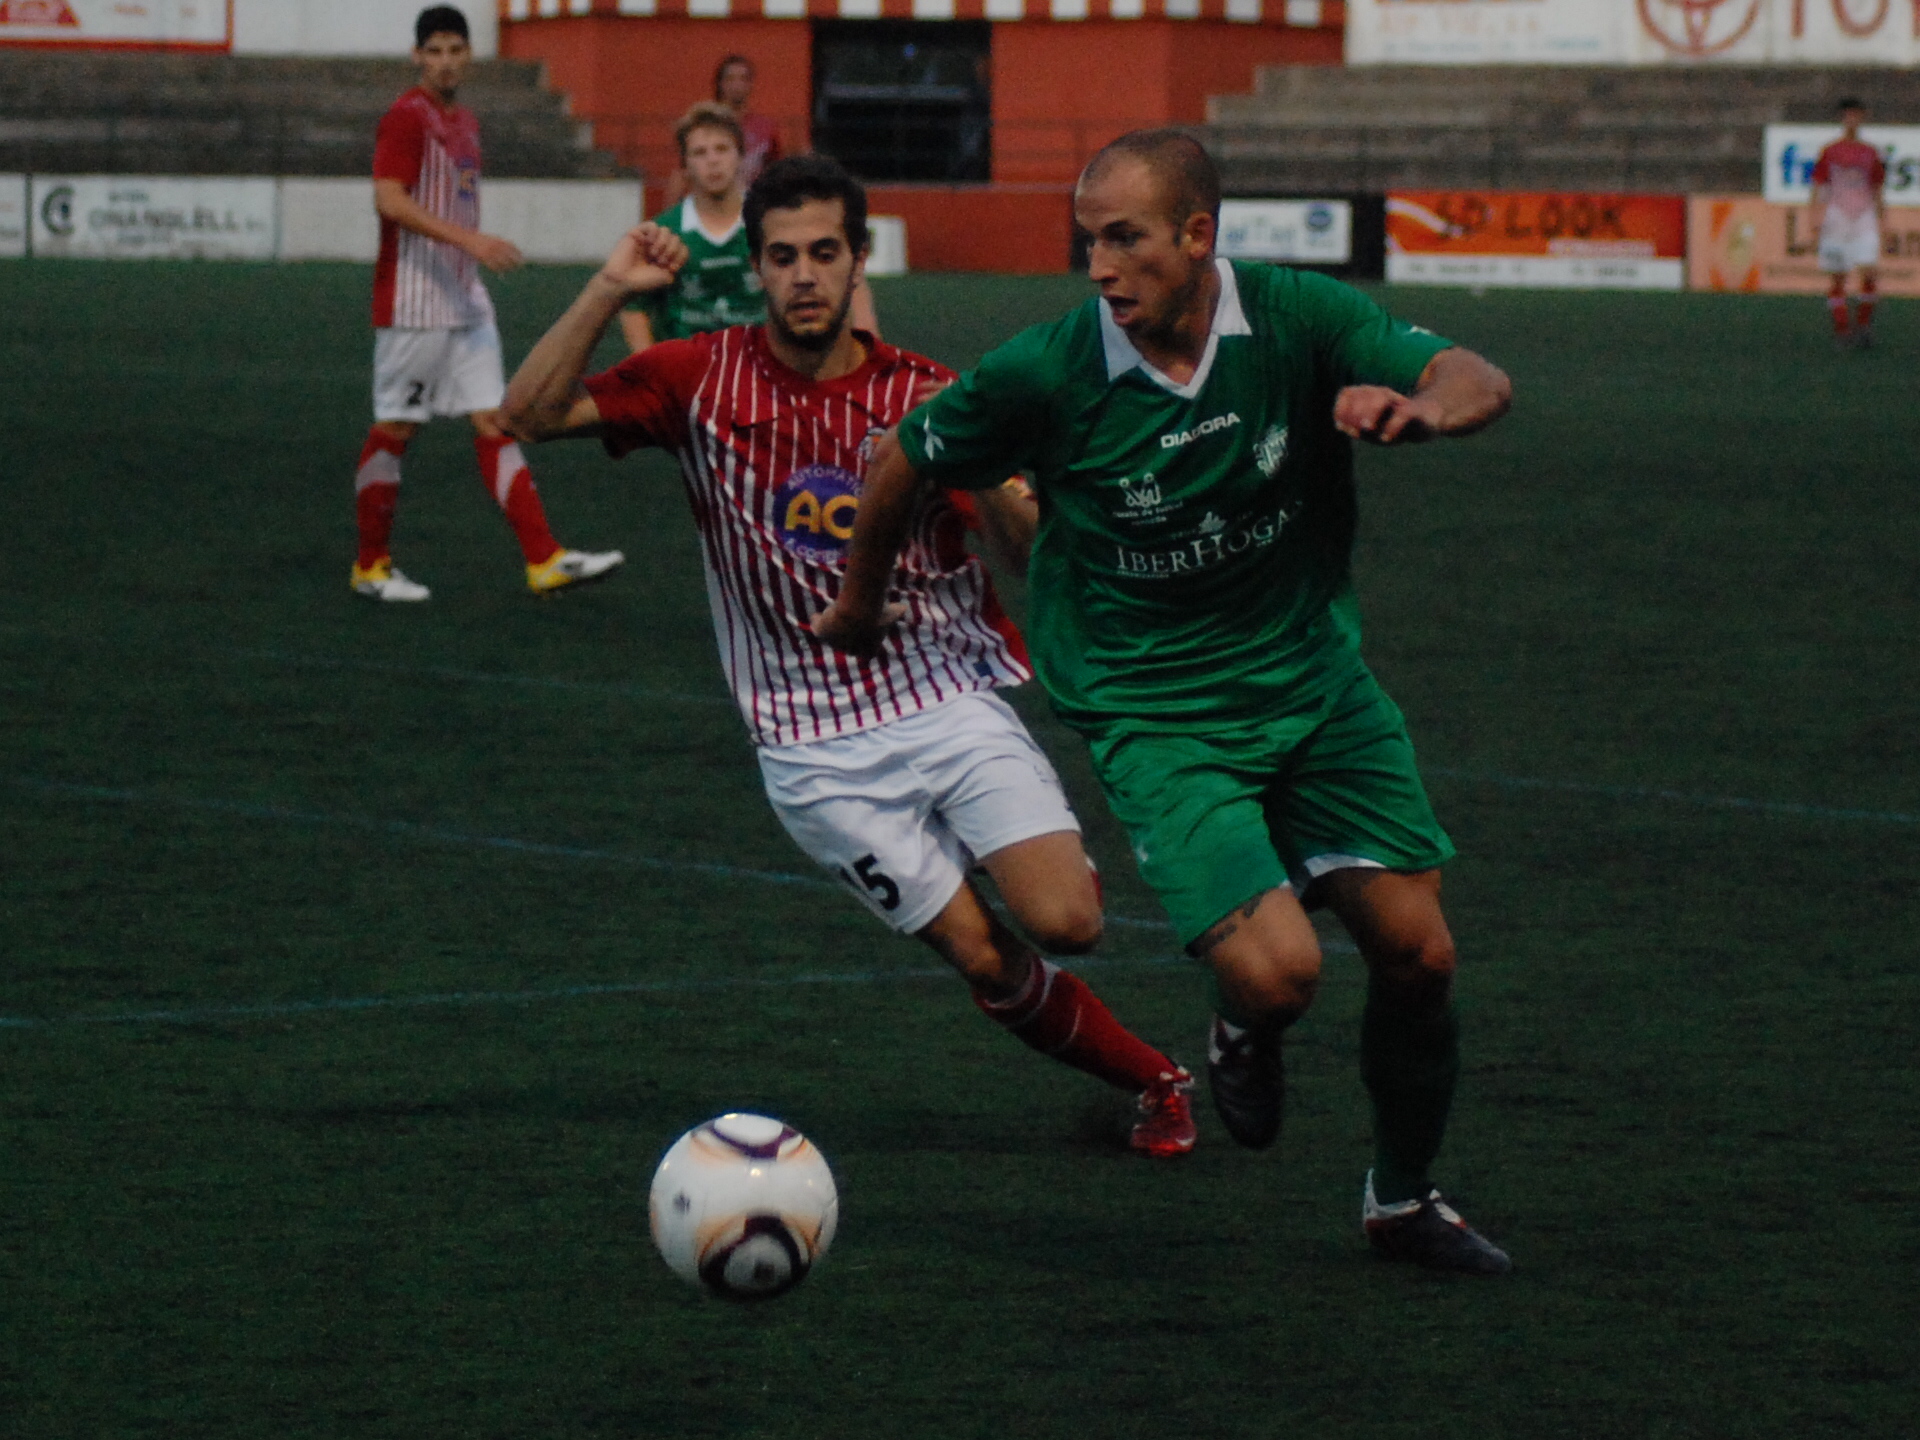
(1633, 32)
(1557, 241)
(154, 217)
(1298, 232)
(13, 216)
(1746, 243)
(1792, 149)
(185, 24)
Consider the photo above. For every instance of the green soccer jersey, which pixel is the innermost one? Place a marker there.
(1191, 566)
(716, 287)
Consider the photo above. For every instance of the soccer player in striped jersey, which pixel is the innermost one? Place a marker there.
(902, 770)
(1850, 208)
(436, 350)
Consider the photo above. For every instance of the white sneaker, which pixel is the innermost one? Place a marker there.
(572, 567)
(380, 581)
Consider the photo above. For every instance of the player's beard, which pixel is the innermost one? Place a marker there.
(826, 339)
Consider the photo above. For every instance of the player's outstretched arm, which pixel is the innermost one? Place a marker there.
(391, 200)
(545, 399)
(858, 618)
(1458, 393)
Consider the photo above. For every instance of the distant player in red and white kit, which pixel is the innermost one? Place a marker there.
(900, 771)
(1849, 205)
(436, 350)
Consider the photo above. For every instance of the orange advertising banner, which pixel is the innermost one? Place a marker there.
(1742, 242)
(1571, 240)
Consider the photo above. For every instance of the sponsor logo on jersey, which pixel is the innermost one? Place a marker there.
(813, 510)
(1271, 452)
(1143, 493)
(1218, 541)
(1205, 427)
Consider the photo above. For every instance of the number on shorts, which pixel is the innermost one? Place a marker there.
(877, 881)
(415, 395)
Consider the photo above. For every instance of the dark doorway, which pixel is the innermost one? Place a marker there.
(905, 100)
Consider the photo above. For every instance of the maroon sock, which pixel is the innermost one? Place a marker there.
(1056, 1013)
(376, 494)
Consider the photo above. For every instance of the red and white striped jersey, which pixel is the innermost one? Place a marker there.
(773, 465)
(434, 150)
(1853, 172)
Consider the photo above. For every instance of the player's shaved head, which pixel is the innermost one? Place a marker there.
(1183, 171)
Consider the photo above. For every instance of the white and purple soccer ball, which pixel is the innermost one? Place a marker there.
(743, 1207)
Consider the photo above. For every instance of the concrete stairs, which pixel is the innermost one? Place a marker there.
(1648, 130)
(102, 112)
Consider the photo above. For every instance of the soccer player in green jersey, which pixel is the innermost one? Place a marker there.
(719, 286)
(1191, 616)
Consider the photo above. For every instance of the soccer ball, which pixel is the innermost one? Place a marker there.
(743, 1206)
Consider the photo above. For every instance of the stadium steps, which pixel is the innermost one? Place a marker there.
(1522, 128)
(154, 114)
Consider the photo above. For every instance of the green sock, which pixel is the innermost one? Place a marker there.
(1409, 1064)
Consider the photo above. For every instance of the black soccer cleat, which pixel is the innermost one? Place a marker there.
(1248, 1082)
(1430, 1232)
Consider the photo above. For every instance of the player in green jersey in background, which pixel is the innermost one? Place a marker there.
(1191, 615)
(718, 286)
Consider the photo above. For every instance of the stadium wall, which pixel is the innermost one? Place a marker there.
(1061, 89)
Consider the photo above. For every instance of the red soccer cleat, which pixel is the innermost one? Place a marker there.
(1165, 1126)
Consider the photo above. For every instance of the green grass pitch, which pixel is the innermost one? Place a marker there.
(1655, 636)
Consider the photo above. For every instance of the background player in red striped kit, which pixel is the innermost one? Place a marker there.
(436, 350)
(897, 771)
(1849, 209)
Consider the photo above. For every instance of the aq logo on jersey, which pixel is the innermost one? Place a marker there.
(813, 509)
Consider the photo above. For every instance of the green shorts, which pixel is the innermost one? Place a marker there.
(1216, 819)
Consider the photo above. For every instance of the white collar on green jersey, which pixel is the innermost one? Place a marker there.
(1228, 319)
(690, 220)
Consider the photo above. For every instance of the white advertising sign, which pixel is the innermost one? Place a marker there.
(13, 215)
(1633, 32)
(1539, 272)
(1792, 150)
(152, 217)
(1300, 232)
(116, 22)
(347, 27)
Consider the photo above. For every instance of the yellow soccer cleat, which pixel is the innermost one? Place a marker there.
(569, 568)
(380, 581)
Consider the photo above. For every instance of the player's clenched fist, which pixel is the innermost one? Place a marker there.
(855, 634)
(1384, 417)
(647, 258)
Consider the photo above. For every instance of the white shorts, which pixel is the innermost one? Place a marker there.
(1849, 243)
(418, 374)
(902, 811)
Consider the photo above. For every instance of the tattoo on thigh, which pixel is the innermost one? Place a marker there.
(1217, 935)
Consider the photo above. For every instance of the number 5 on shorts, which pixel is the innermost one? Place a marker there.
(877, 881)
